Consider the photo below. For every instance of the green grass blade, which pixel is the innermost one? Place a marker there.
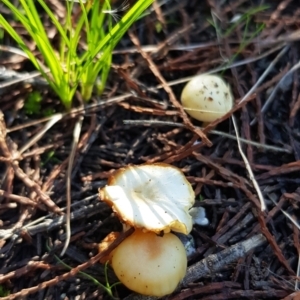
(106, 45)
(35, 28)
(19, 41)
(55, 22)
(34, 18)
(67, 68)
(24, 47)
(120, 28)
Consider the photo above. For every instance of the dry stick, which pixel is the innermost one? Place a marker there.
(21, 79)
(47, 222)
(54, 119)
(18, 171)
(76, 134)
(274, 92)
(279, 40)
(73, 272)
(266, 72)
(155, 48)
(184, 152)
(296, 226)
(248, 167)
(298, 273)
(169, 91)
(29, 267)
(297, 246)
(216, 132)
(75, 111)
(272, 241)
(287, 215)
(32, 185)
(51, 121)
(213, 263)
(21, 199)
(162, 49)
(283, 169)
(276, 14)
(27, 76)
(150, 48)
(293, 296)
(239, 181)
(222, 68)
(87, 140)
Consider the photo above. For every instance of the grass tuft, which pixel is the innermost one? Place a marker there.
(70, 66)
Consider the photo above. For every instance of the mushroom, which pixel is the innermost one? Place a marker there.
(153, 197)
(207, 98)
(150, 264)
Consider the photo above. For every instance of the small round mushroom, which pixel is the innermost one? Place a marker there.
(150, 264)
(206, 98)
(153, 197)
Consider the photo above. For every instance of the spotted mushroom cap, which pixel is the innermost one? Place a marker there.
(153, 197)
(206, 98)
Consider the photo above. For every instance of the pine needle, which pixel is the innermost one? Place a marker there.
(248, 167)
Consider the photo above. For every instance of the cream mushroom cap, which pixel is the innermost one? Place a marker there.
(206, 98)
(149, 264)
(153, 197)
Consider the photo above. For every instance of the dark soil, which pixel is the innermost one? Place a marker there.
(33, 184)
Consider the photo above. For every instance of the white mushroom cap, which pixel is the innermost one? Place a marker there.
(153, 197)
(149, 264)
(206, 98)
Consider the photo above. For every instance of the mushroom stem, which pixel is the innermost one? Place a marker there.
(213, 263)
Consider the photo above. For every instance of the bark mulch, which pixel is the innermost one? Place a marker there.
(254, 46)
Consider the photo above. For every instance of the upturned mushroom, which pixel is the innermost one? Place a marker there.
(206, 98)
(154, 199)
